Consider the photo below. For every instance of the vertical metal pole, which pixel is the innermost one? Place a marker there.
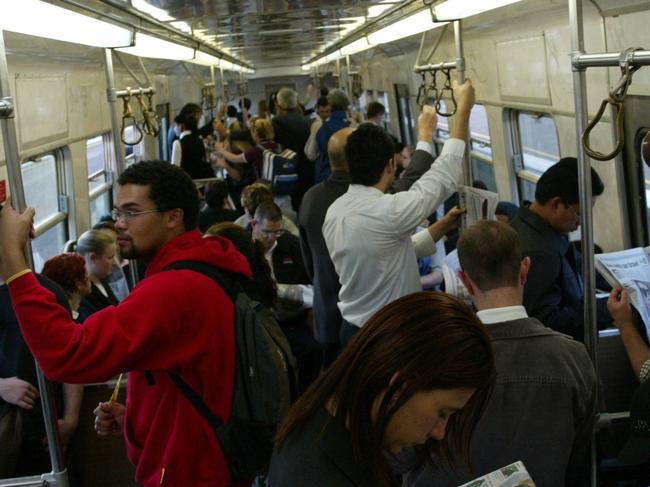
(584, 186)
(12, 156)
(349, 77)
(112, 101)
(117, 139)
(214, 85)
(460, 73)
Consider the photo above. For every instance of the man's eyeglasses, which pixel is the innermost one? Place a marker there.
(129, 215)
(272, 233)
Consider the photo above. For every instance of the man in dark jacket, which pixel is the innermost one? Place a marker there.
(291, 132)
(543, 405)
(554, 291)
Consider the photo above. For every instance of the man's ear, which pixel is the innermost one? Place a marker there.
(467, 282)
(555, 203)
(523, 270)
(175, 218)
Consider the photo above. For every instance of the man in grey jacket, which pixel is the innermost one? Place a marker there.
(543, 405)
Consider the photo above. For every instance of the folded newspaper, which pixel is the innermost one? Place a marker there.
(480, 205)
(629, 269)
(453, 284)
(513, 475)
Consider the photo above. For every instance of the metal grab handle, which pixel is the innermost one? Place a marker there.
(421, 98)
(446, 87)
(616, 98)
(127, 114)
(150, 123)
(594, 154)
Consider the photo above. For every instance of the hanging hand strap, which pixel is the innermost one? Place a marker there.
(127, 114)
(446, 87)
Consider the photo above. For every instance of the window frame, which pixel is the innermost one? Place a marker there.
(105, 189)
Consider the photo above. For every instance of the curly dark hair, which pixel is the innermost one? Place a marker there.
(368, 150)
(169, 188)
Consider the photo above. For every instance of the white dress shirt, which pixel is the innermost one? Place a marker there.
(368, 235)
(499, 315)
(177, 151)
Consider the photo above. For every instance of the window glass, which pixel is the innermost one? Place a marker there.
(100, 206)
(538, 142)
(134, 153)
(484, 171)
(382, 97)
(479, 133)
(40, 180)
(646, 177)
(97, 163)
(49, 244)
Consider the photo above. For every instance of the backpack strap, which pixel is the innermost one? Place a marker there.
(230, 285)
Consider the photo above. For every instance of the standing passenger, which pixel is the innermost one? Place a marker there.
(417, 375)
(339, 103)
(543, 406)
(368, 232)
(188, 151)
(176, 320)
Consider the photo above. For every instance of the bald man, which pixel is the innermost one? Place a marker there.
(315, 203)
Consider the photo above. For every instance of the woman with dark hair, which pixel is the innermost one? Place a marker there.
(420, 368)
(261, 287)
(188, 150)
(69, 272)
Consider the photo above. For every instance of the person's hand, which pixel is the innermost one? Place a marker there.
(109, 418)
(18, 392)
(451, 220)
(464, 94)
(427, 123)
(15, 229)
(618, 305)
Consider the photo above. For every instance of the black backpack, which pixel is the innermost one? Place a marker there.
(281, 169)
(265, 380)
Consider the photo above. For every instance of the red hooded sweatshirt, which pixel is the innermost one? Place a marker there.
(177, 320)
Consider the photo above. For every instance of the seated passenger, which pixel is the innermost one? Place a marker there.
(174, 320)
(118, 279)
(218, 207)
(69, 272)
(637, 449)
(282, 251)
(554, 291)
(416, 375)
(254, 195)
(542, 409)
(98, 249)
(368, 232)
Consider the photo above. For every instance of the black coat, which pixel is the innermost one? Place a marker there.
(96, 300)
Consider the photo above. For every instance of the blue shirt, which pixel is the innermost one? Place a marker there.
(336, 122)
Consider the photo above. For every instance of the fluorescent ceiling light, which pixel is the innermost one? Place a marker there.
(306, 67)
(205, 59)
(152, 47)
(460, 9)
(248, 70)
(376, 10)
(414, 24)
(155, 12)
(356, 46)
(182, 26)
(227, 65)
(40, 19)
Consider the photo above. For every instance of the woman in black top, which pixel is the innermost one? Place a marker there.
(188, 151)
(98, 249)
(420, 368)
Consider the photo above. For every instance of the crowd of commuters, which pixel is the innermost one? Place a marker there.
(391, 380)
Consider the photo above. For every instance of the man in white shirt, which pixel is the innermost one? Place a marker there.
(543, 403)
(368, 232)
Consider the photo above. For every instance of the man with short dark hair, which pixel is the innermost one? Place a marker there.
(295, 293)
(177, 320)
(339, 102)
(291, 129)
(321, 115)
(543, 405)
(375, 113)
(369, 233)
(218, 207)
(554, 291)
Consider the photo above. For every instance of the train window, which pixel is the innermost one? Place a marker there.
(134, 153)
(99, 160)
(645, 163)
(162, 111)
(404, 114)
(44, 188)
(481, 148)
(442, 131)
(382, 97)
(535, 148)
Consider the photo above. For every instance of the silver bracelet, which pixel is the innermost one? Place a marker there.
(644, 373)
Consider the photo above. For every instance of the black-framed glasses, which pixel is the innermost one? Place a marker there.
(272, 233)
(129, 215)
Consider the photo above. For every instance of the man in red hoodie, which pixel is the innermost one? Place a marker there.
(177, 320)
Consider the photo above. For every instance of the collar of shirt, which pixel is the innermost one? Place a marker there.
(184, 133)
(365, 190)
(498, 315)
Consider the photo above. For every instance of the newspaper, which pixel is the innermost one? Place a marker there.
(629, 269)
(453, 284)
(480, 205)
(513, 475)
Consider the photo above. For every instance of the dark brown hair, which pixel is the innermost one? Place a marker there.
(421, 342)
(490, 254)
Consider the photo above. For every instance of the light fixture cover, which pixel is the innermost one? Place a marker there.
(411, 25)
(41, 19)
(460, 9)
(356, 46)
(152, 47)
(205, 59)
